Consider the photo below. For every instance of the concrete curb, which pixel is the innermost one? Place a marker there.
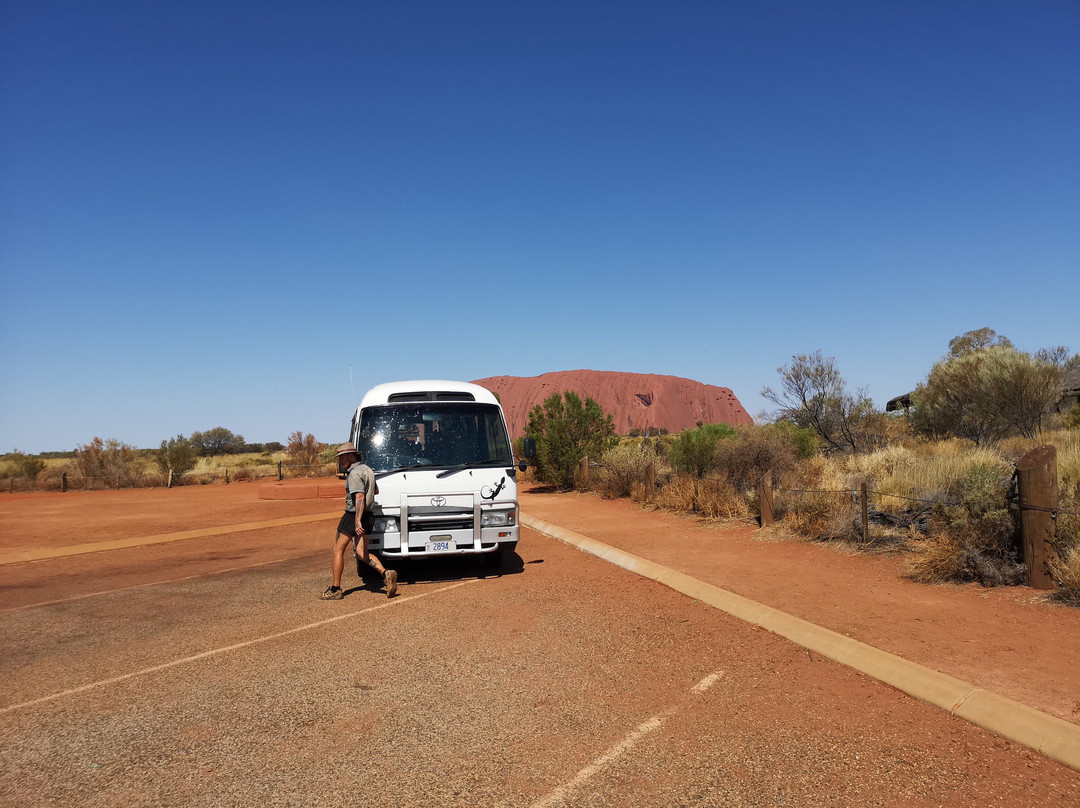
(23, 556)
(1051, 736)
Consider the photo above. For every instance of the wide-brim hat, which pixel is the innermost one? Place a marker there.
(346, 448)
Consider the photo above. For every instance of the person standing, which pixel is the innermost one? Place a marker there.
(356, 523)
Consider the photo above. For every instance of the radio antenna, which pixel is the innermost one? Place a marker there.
(352, 387)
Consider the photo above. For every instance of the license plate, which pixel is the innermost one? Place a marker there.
(440, 545)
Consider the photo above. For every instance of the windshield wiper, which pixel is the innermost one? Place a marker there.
(463, 466)
(413, 467)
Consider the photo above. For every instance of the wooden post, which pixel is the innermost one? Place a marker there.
(226, 475)
(650, 480)
(865, 512)
(63, 482)
(1037, 485)
(765, 499)
(169, 484)
(583, 472)
(279, 475)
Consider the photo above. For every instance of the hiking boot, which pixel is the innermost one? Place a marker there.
(332, 593)
(390, 579)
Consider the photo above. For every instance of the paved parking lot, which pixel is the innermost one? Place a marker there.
(557, 680)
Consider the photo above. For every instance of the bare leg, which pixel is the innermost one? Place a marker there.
(389, 576)
(370, 559)
(340, 543)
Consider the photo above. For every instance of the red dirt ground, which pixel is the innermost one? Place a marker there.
(1012, 641)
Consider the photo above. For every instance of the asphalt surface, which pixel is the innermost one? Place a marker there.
(555, 680)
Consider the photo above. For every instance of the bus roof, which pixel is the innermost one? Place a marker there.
(426, 390)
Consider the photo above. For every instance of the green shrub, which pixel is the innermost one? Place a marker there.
(176, 456)
(696, 451)
(567, 429)
(27, 466)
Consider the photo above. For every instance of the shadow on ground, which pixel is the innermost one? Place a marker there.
(447, 568)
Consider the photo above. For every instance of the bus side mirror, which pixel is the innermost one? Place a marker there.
(528, 448)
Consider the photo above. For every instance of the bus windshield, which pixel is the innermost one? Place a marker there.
(438, 434)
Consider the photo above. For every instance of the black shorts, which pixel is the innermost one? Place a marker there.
(347, 525)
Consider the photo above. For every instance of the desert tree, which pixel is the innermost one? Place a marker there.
(1059, 355)
(176, 455)
(567, 429)
(989, 393)
(217, 441)
(813, 395)
(977, 340)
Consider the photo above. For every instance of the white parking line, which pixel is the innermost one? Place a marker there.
(560, 794)
(707, 682)
(216, 651)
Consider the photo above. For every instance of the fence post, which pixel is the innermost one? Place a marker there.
(279, 475)
(765, 499)
(1037, 486)
(583, 472)
(865, 497)
(650, 480)
(226, 475)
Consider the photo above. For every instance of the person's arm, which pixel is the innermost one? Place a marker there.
(358, 506)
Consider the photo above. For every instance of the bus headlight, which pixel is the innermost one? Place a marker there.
(498, 518)
(385, 524)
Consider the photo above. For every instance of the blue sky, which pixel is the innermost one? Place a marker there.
(210, 212)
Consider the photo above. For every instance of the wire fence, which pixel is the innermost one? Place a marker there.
(68, 480)
(861, 496)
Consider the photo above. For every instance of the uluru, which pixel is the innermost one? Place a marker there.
(642, 401)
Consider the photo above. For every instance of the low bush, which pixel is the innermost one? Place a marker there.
(975, 541)
(697, 451)
(821, 515)
(109, 464)
(757, 450)
(711, 497)
(718, 499)
(52, 478)
(677, 493)
(27, 466)
(623, 468)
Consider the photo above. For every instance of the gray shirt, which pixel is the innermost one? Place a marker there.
(359, 480)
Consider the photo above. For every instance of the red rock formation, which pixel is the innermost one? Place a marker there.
(635, 400)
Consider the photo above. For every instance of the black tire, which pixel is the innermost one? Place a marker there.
(497, 556)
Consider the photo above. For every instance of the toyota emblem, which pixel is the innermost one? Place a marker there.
(438, 502)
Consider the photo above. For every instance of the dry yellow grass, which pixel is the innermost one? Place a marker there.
(925, 470)
(1066, 572)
